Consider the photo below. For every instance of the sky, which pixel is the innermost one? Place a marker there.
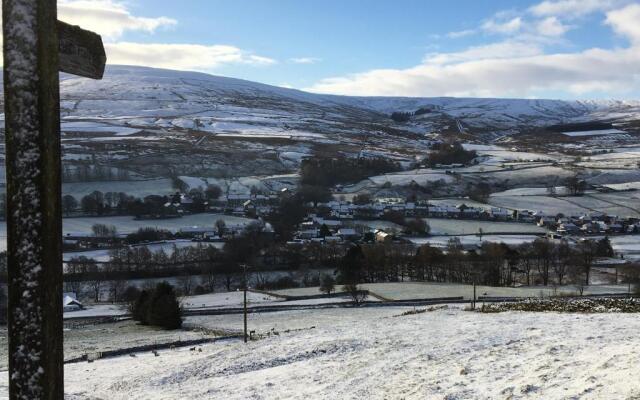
(533, 49)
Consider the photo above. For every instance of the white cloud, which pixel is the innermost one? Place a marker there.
(614, 71)
(112, 19)
(181, 56)
(551, 26)
(510, 26)
(108, 18)
(305, 60)
(572, 8)
(518, 66)
(506, 49)
(461, 34)
(626, 22)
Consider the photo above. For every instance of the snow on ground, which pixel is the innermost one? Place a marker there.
(135, 188)
(428, 290)
(460, 227)
(167, 246)
(371, 353)
(98, 310)
(474, 240)
(594, 133)
(126, 224)
(227, 300)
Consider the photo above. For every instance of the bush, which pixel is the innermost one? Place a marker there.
(444, 153)
(327, 172)
(148, 235)
(130, 294)
(158, 307)
(327, 284)
(138, 307)
(399, 116)
(199, 290)
(357, 295)
(163, 309)
(284, 282)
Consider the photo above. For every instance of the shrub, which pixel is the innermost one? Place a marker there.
(444, 153)
(327, 284)
(130, 294)
(163, 309)
(158, 307)
(139, 306)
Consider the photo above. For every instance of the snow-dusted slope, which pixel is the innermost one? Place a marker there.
(190, 100)
(160, 123)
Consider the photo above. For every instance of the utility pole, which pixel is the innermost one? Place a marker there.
(244, 267)
(473, 307)
(36, 47)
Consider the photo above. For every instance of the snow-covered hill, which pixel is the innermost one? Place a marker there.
(161, 123)
(154, 93)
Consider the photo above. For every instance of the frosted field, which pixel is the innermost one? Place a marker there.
(134, 188)
(168, 246)
(126, 224)
(374, 354)
(426, 290)
(460, 227)
(227, 300)
(594, 133)
(474, 240)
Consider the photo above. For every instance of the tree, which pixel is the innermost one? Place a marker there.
(324, 231)
(417, 226)
(400, 116)
(351, 266)
(117, 288)
(603, 247)
(93, 203)
(362, 199)
(357, 295)
(327, 283)
(139, 307)
(221, 226)
(480, 192)
(586, 255)
(104, 231)
(164, 310)
(69, 204)
(575, 185)
(314, 194)
(130, 294)
(213, 192)
(450, 153)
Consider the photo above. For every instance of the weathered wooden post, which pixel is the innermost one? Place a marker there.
(34, 220)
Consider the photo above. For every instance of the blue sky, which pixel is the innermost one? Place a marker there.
(553, 48)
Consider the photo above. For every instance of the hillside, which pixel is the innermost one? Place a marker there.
(144, 123)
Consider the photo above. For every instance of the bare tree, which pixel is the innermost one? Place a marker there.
(357, 295)
(587, 250)
(116, 289)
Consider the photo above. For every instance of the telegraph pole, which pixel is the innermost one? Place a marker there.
(244, 267)
(36, 47)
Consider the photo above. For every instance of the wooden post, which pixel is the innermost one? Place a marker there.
(34, 221)
(33, 55)
(245, 302)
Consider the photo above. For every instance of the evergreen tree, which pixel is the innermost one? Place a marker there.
(163, 309)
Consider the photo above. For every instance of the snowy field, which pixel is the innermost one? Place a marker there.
(127, 224)
(461, 227)
(472, 241)
(426, 290)
(377, 354)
